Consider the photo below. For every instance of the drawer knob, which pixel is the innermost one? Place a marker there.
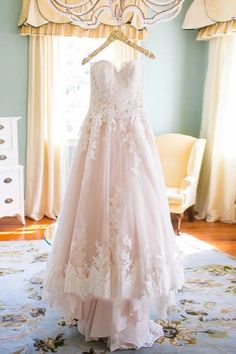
(2, 141)
(1, 126)
(3, 157)
(7, 180)
(8, 200)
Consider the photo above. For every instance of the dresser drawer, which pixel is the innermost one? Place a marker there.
(5, 142)
(9, 204)
(9, 182)
(5, 127)
(8, 158)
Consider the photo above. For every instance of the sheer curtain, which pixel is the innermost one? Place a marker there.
(47, 147)
(217, 190)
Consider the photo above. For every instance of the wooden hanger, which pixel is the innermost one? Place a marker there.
(118, 35)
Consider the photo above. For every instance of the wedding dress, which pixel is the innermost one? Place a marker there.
(114, 262)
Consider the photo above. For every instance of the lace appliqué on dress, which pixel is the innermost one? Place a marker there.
(95, 278)
(119, 109)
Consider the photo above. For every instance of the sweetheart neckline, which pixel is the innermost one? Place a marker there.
(118, 70)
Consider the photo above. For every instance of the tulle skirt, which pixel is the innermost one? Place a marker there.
(114, 263)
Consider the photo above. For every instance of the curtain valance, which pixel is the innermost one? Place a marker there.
(39, 18)
(213, 18)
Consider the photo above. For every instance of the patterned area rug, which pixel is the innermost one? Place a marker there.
(204, 320)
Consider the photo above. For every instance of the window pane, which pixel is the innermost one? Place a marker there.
(77, 80)
(75, 87)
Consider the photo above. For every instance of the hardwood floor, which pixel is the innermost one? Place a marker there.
(222, 236)
(33, 230)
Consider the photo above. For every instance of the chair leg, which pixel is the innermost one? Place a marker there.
(179, 219)
(190, 212)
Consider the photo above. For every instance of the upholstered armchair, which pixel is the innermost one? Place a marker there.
(181, 158)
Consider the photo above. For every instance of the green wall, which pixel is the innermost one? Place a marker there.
(173, 83)
(13, 69)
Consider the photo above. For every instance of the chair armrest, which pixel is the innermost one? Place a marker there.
(187, 182)
(188, 190)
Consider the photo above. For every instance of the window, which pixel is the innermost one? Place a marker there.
(75, 86)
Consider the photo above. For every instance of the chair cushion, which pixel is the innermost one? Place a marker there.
(174, 196)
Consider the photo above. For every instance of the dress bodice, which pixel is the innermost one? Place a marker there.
(117, 91)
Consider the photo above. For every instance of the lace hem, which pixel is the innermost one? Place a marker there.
(153, 333)
(125, 324)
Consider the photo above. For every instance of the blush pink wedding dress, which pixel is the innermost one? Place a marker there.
(114, 264)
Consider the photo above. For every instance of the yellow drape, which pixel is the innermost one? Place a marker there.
(44, 155)
(39, 18)
(211, 17)
(218, 29)
(67, 29)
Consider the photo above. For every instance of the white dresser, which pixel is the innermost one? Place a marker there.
(11, 173)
